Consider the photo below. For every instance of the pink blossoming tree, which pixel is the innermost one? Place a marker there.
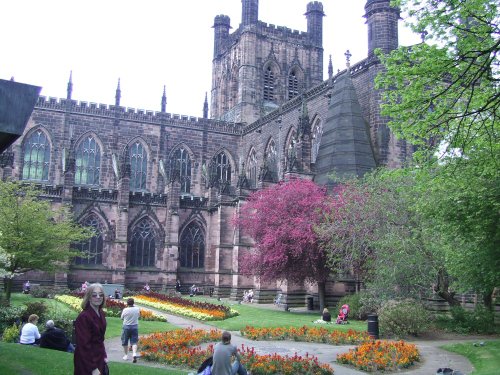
(281, 221)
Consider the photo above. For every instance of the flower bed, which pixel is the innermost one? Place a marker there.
(173, 348)
(113, 308)
(381, 356)
(309, 334)
(180, 306)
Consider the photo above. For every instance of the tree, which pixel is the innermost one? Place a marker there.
(374, 232)
(34, 234)
(446, 89)
(280, 219)
(443, 96)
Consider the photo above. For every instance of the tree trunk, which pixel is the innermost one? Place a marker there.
(443, 290)
(321, 293)
(488, 300)
(7, 285)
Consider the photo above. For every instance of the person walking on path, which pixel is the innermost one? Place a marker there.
(130, 331)
(223, 352)
(90, 328)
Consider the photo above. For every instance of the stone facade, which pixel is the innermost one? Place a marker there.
(161, 189)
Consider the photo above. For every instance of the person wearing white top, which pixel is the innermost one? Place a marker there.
(130, 330)
(30, 334)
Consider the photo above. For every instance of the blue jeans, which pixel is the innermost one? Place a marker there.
(238, 368)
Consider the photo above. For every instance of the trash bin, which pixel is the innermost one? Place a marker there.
(310, 303)
(373, 326)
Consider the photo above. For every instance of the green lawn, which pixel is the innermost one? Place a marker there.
(260, 317)
(37, 361)
(486, 359)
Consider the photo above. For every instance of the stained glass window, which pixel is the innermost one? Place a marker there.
(88, 162)
(36, 157)
(93, 248)
(138, 166)
(192, 251)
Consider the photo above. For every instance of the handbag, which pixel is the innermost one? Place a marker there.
(105, 369)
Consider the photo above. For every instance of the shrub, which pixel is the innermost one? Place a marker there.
(11, 334)
(353, 300)
(402, 318)
(9, 316)
(481, 320)
(38, 308)
(42, 292)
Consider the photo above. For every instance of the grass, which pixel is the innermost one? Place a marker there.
(485, 359)
(260, 317)
(36, 361)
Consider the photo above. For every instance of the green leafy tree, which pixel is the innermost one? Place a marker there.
(446, 91)
(34, 234)
(375, 233)
(443, 96)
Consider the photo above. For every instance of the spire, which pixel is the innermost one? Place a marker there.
(205, 107)
(70, 85)
(304, 127)
(345, 146)
(118, 94)
(12, 79)
(330, 68)
(164, 100)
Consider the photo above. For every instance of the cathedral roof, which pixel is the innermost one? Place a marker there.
(345, 146)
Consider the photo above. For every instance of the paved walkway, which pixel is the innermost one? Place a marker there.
(432, 357)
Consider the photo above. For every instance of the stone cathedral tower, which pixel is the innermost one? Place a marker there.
(260, 66)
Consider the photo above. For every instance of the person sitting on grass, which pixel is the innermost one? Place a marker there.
(29, 333)
(55, 338)
(326, 316)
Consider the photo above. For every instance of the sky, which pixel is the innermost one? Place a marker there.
(149, 44)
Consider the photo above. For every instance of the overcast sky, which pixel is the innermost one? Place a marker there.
(149, 44)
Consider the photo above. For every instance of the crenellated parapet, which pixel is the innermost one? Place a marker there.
(145, 198)
(137, 115)
(83, 193)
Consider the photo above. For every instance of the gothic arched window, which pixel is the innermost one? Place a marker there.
(192, 243)
(316, 139)
(88, 162)
(293, 85)
(36, 157)
(252, 169)
(138, 166)
(181, 168)
(221, 168)
(269, 85)
(93, 248)
(272, 160)
(143, 245)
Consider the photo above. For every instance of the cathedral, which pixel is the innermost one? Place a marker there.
(160, 190)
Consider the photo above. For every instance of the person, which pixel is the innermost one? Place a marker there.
(90, 328)
(29, 333)
(326, 316)
(193, 290)
(223, 352)
(147, 288)
(26, 287)
(177, 286)
(84, 286)
(245, 296)
(130, 330)
(55, 338)
(250, 296)
(117, 294)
